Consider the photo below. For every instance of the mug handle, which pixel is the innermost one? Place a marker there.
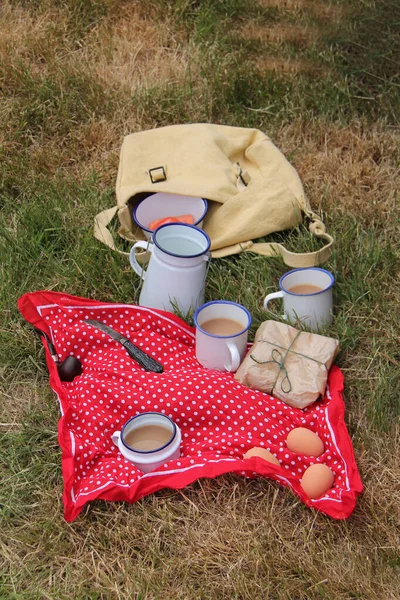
(235, 358)
(270, 297)
(115, 437)
(132, 257)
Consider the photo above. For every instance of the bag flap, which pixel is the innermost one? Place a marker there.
(197, 160)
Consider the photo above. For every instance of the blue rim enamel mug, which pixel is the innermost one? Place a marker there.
(223, 352)
(148, 460)
(177, 269)
(307, 297)
(162, 205)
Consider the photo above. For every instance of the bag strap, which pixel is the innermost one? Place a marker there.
(292, 259)
(101, 231)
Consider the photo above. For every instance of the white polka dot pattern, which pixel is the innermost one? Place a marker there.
(219, 418)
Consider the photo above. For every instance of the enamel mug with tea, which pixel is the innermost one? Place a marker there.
(221, 334)
(307, 297)
(149, 440)
(176, 273)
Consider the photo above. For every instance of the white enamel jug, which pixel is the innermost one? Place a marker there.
(176, 272)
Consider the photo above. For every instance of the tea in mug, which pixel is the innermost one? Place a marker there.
(148, 437)
(221, 326)
(305, 289)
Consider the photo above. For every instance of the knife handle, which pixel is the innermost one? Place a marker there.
(144, 360)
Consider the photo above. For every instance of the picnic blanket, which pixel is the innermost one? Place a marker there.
(220, 419)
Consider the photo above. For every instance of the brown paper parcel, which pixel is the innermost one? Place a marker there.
(289, 364)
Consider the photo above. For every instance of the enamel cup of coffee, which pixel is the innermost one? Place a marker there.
(221, 334)
(307, 297)
(176, 273)
(148, 440)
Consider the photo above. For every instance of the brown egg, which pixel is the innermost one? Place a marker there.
(317, 480)
(262, 453)
(304, 441)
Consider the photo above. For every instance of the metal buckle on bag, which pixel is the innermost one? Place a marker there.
(157, 174)
(243, 178)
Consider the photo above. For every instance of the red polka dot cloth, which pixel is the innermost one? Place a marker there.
(220, 419)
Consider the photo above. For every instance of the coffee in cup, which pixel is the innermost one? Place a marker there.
(221, 326)
(307, 297)
(221, 334)
(148, 437)
(305, 289)
(149, 440)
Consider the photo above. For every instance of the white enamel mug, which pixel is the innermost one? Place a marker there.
(315, 309)
(149, 460)
(221, 352)
(162, 205)
(176, 273)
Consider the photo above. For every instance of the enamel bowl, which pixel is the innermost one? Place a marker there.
(162, 205)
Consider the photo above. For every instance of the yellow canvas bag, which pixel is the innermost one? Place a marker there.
(251, 187)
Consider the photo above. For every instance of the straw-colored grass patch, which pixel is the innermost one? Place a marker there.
(120, 55)
(322, 11)
(281, 32)
(93, 147)
(31, 39)
(280, 65)
(354, 168)
(139, 51)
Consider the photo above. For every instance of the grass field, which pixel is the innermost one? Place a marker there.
(322, 79)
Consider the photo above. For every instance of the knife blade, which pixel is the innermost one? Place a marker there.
(144, 360)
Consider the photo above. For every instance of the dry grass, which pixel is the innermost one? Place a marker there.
(285, 66)
(140, 53)
(304, 24)
(224, 538)
(279, 33)
(353, 168)
(324, 11)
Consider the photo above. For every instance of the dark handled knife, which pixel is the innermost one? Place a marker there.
(144, 360)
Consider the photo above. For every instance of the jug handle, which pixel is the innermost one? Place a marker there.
(132, 258)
